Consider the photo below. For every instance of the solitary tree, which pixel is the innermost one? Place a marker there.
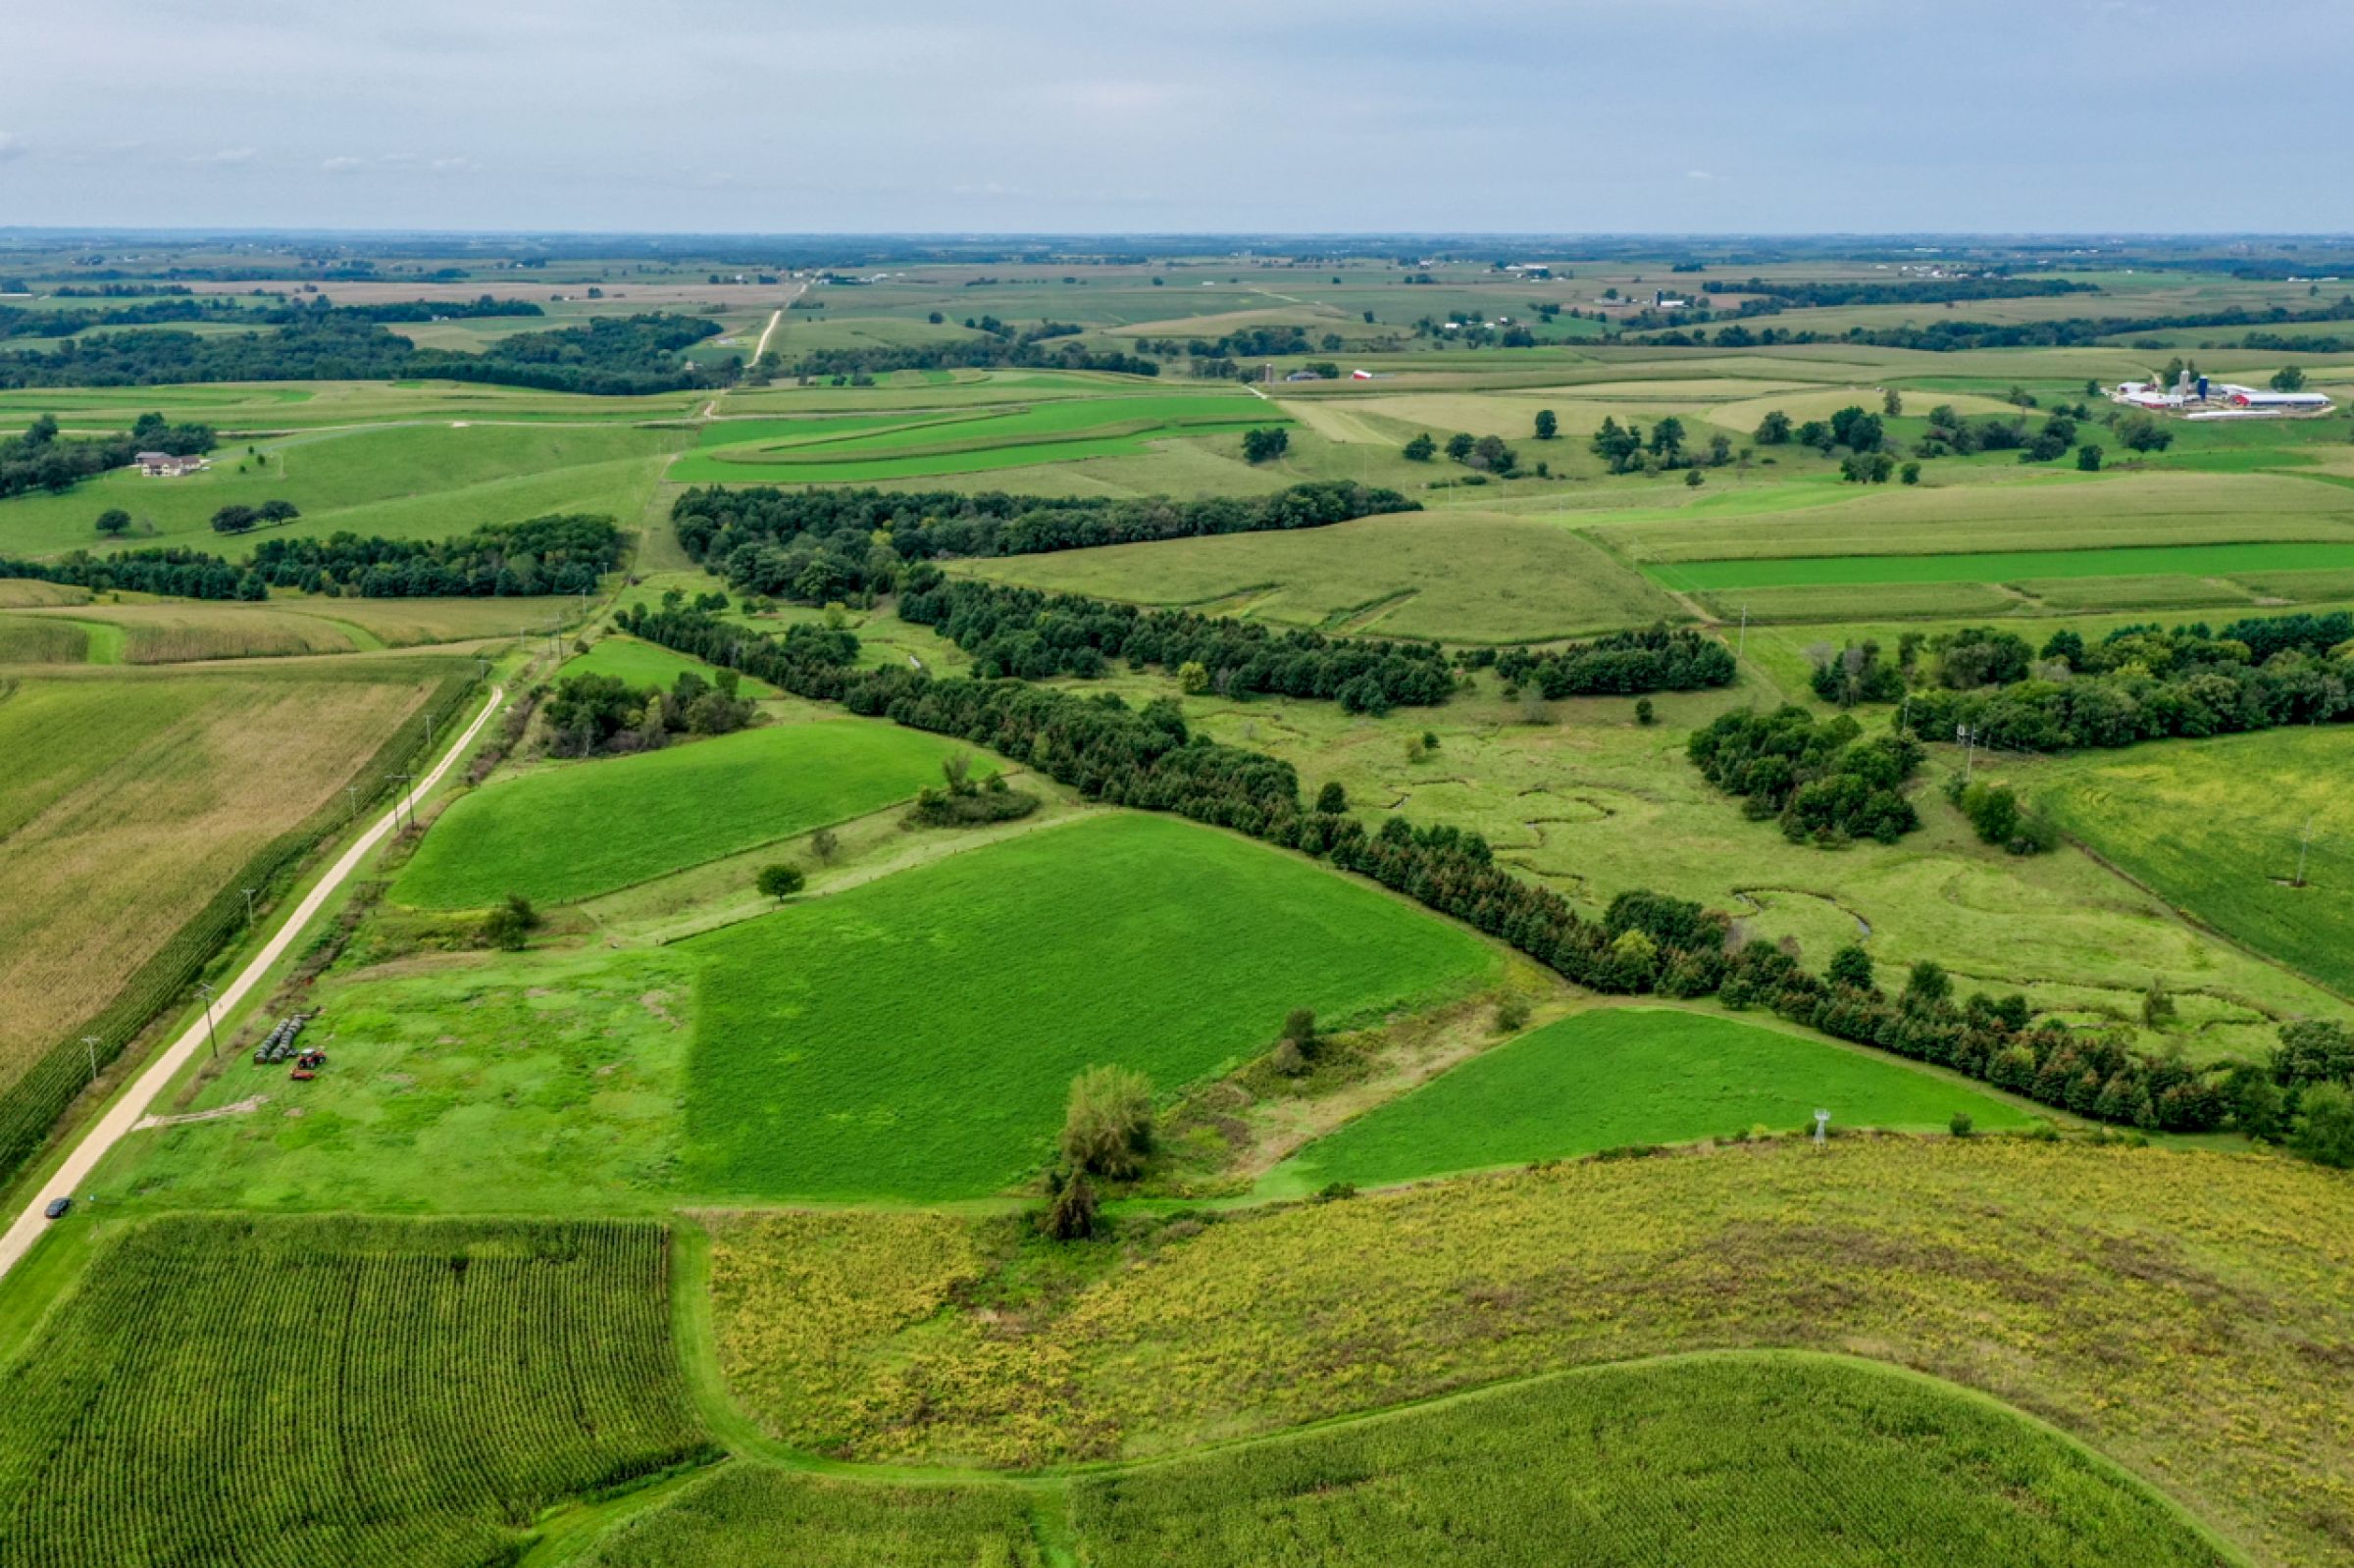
(1548, 426)
(825, 844)
(235, 518)
(1774, 429)
(780, 880)
(1420, 448)
(2288, 379)
(1458, 446)
(2088, 458)
(1892, 402)
(510, 924)
(1266, 445)
(114, 521)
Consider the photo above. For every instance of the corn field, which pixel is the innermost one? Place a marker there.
(334, 1393)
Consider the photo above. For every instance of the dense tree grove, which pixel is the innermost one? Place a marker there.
(1821, 778)
(609, 356)
(1049, 345)
(1856, 674)
(818, 545)
(38, 460)
(555, 555)
(593, 714)
(1020, 631)
(2144, 683)
(545, 555)
(1620, 664)
(1146, 759)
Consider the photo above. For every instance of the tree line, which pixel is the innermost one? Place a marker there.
(1035, 349)
(2140, 683)
(1768, 296)
(39, 460)
(609, 356)
(1033, 635)
(1145, 758)
(556, 554)
(820, 545)
(1955, 336)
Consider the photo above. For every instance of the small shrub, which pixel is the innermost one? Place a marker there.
(1960, 1126)
(511, 924)
(825, 844)
(1335, 1191)
(1511, 1014)
(1645, 714)
(1072, 1211)
(780, 880)
(1108, 1129)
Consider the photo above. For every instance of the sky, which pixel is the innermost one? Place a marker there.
(1105, 117)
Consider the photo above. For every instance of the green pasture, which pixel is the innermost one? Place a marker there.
(2160, 560)
(1628, 1076)
(409, 481)
(1734, 1460)
(914, 1038)
(647, 664)
(963, 441)
(575, 829)
(761, 1516)
(2219, 828)
(243, 408)
(1453, 574)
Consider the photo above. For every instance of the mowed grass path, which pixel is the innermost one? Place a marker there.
(915, 1038)
(1628, 1076)
(2159, 560)
(582, 828)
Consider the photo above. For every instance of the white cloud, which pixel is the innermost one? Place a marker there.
(1699, 173)
(452, 166)
(342, 166)
(227, 155)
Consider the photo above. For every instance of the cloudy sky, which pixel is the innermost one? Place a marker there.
(1554, 115)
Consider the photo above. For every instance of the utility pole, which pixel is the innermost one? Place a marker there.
(1742, 649)
(91, 1043)
(351, 811)
(248, 906)
(208, 1019)
(2304, 848)
(1967, 735)
(428, 731)
(402, 777)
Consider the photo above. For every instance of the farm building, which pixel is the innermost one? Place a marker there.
(168, 465)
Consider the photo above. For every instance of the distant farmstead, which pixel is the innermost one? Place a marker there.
(168, 465)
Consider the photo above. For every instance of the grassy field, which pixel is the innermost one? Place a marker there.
(2261, 802)
(961, 440)
(914, 1038)
(1463, 576)
(338, 1391)
(644, 664)
(1630, 1076)
(134, 797)
(248, 409)
(753, 1516)
(2152, 561)
(2175, 1310)
(622, 820)
(405, 482)
(1730, 1460)
(539, 1083)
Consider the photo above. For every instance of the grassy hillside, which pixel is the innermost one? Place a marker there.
(1630, 1076)
(915, 1036)
(580, 829)
(1717, 1460)
(753, 1516)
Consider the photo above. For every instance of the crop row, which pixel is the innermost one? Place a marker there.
(330, 1391)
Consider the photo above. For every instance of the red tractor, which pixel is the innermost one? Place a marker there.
(307, 1065)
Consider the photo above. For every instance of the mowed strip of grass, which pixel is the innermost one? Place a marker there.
(581, 829)
(1630, 1076)
(914, 1038)
(2164, 560)
(2265, 806)
(1744, 1459)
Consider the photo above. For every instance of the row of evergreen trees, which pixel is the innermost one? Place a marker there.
(1147, 758)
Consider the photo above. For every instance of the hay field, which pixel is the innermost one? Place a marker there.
(915, 1036)
(1628, 1076)
(1457, 575)
(244, 408)
(132, 797)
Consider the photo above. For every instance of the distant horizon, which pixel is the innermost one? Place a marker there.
(750, 116)
(2105, 236)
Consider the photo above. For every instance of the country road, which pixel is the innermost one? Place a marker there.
(124, 1115)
